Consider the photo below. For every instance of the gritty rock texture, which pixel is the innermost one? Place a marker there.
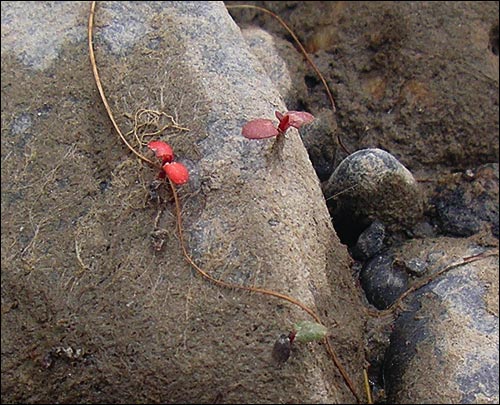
(444, 347)
(282, 63)
(99, 305)
(369, 185)
(38, 41)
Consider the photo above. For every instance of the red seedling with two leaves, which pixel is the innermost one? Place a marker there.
(262, 128)
(175, 171)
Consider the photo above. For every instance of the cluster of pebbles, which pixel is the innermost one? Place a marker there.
(400, 239)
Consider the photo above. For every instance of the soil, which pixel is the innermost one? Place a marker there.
(417, 79)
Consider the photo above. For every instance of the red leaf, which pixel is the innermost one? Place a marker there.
(299, 118)
(176, 172)
(278, 115)
(162, 150)
(260, 128)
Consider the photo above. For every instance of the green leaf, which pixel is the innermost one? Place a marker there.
(307, 331)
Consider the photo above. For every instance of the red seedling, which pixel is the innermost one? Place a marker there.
(176, 172)
(293, 119)
(162, 150)
(262, 128)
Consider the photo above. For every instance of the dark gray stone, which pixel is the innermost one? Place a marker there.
(372, 184)
(370, 242)
(456, 217)
(444, 347)
(465, 203)
(382, 281)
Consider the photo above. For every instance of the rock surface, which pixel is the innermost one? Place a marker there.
(464, 203)
(370, 185)
(444, 347)
(99, 305)
(282, 63)
(370, 242)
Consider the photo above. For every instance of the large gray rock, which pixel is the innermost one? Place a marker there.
(444, 347)
(94, 311)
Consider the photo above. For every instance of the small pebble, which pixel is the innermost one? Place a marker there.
(282, 348)
(370, 242)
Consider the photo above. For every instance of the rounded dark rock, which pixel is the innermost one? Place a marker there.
(370, 242)
(444, 347)
(372, 184)
(383, 282)
(455, 217)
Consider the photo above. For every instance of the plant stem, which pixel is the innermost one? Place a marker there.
(178, 210)
(258, 290)
(101, 90)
